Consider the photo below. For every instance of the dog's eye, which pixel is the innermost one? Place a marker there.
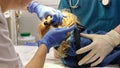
(65, 49)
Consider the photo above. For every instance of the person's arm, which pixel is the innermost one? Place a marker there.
(45, 11)
(100, 47)
(39, 58)
(51, 38)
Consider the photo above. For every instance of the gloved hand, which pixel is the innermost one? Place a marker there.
(101, 46)
(55, 36)
(44, 11)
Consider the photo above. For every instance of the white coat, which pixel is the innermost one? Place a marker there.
(8, 57)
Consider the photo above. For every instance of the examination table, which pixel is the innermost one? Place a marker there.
(27, 52)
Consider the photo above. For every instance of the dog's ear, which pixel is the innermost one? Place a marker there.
(42, 29)
(69, 20)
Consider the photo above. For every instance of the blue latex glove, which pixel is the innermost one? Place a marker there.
(55, 36)
(44, 11)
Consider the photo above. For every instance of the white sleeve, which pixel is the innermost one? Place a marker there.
(8, 57)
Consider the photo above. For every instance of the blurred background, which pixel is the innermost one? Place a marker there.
(24, 24)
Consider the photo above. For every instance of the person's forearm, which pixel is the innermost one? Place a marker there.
(117, 29)
(39, 58)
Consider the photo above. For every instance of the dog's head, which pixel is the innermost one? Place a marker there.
(67, 21)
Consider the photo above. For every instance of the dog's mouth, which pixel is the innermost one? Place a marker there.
(48, 23)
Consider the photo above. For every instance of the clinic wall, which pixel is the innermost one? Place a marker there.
(29, 22)
(51, 3)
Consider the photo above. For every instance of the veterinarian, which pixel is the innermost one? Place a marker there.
(8, 57)
(96, 15)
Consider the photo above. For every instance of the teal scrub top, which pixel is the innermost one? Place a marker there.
(93, 14)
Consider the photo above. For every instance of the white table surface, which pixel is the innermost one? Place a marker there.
(27, 52)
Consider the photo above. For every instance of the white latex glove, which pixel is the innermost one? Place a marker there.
(101, 46)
